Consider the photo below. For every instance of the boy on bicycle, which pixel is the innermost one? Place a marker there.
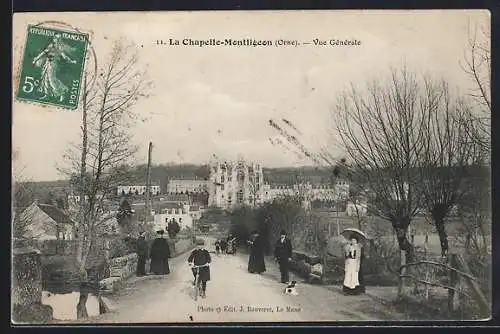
(199, 257)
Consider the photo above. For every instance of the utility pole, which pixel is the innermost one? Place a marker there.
(147, 205)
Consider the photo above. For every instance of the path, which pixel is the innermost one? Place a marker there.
(233, 295)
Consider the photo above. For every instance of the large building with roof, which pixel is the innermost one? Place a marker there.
(235, 183)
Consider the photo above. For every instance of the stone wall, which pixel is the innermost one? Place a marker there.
(307, 266)
(122, 268)
(27, 287)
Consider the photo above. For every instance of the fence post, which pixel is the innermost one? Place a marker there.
(453, 282)
(474, 286)
(402, 272)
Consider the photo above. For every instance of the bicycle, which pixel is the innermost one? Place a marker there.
(197, 281)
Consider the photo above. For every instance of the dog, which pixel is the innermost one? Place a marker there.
(291, 289)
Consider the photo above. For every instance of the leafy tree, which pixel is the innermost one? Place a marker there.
(173, 228)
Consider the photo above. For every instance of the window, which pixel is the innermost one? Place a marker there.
(239, 196)
(241, 177)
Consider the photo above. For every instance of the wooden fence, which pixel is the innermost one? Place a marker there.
(453, 275)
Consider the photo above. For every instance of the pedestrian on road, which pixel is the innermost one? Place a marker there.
(352, 255)
(142, 254)
(200, 256)
(217, 246)
(223, 246)
(283, 254)
(160, 253)
(256, 262)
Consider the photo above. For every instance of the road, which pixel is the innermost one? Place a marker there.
(233, 295)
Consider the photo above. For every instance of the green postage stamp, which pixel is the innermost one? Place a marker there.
(52, 67)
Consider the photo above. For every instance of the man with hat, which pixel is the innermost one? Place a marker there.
(283, 254)
(142, 254)
(160, 253)
(201, 257)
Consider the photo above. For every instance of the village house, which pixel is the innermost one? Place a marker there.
(46, 222)
(168, 207)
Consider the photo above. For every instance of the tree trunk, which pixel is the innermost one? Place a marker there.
(81, 307)
(443, 237)
(403, 242)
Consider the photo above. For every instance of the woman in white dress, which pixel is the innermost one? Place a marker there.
(352, 254)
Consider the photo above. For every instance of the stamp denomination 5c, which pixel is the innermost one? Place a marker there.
(52, 67)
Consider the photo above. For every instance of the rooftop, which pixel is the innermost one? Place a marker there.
(56, 214)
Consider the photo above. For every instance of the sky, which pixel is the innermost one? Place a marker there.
(219, 100)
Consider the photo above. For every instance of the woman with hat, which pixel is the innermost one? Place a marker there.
(352, 254)
(160, 253)
(256, 262)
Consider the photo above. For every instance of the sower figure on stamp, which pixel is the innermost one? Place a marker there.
(283, 254)
(160, 253)
(142, 254)
(49, 60)
(199, 257)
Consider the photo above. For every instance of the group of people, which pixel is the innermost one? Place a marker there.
(353, 252)
(226, 246)
(221, 246)
(200, 258)
(159, 255)
(282, 254)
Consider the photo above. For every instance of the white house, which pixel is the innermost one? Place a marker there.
(187, 185)
(355, 209)
(46, 222)
(137, 190)
(181, 213)
(308, 191)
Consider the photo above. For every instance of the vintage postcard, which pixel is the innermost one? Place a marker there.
(260, 166)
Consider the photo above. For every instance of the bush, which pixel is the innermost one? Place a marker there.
(119, 248)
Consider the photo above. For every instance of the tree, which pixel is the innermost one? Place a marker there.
(280, 214)
(449, 151)
(173, 228)
(22, 197)
(477, 65)
(124, 216)
(382, 130)
(99, 164)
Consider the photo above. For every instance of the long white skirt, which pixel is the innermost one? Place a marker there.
(351, 279)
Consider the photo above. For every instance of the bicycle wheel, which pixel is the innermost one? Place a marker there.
(196, 288)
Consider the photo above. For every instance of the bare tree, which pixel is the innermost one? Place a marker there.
(22, 197)
(99, 164)
(477, 65)
(449, 151)
(382, 129)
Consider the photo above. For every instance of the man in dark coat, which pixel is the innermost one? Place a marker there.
(142, 254)
(223, 246)
(160, 253)
(283, 254)
(200, 256)
(256, 262)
